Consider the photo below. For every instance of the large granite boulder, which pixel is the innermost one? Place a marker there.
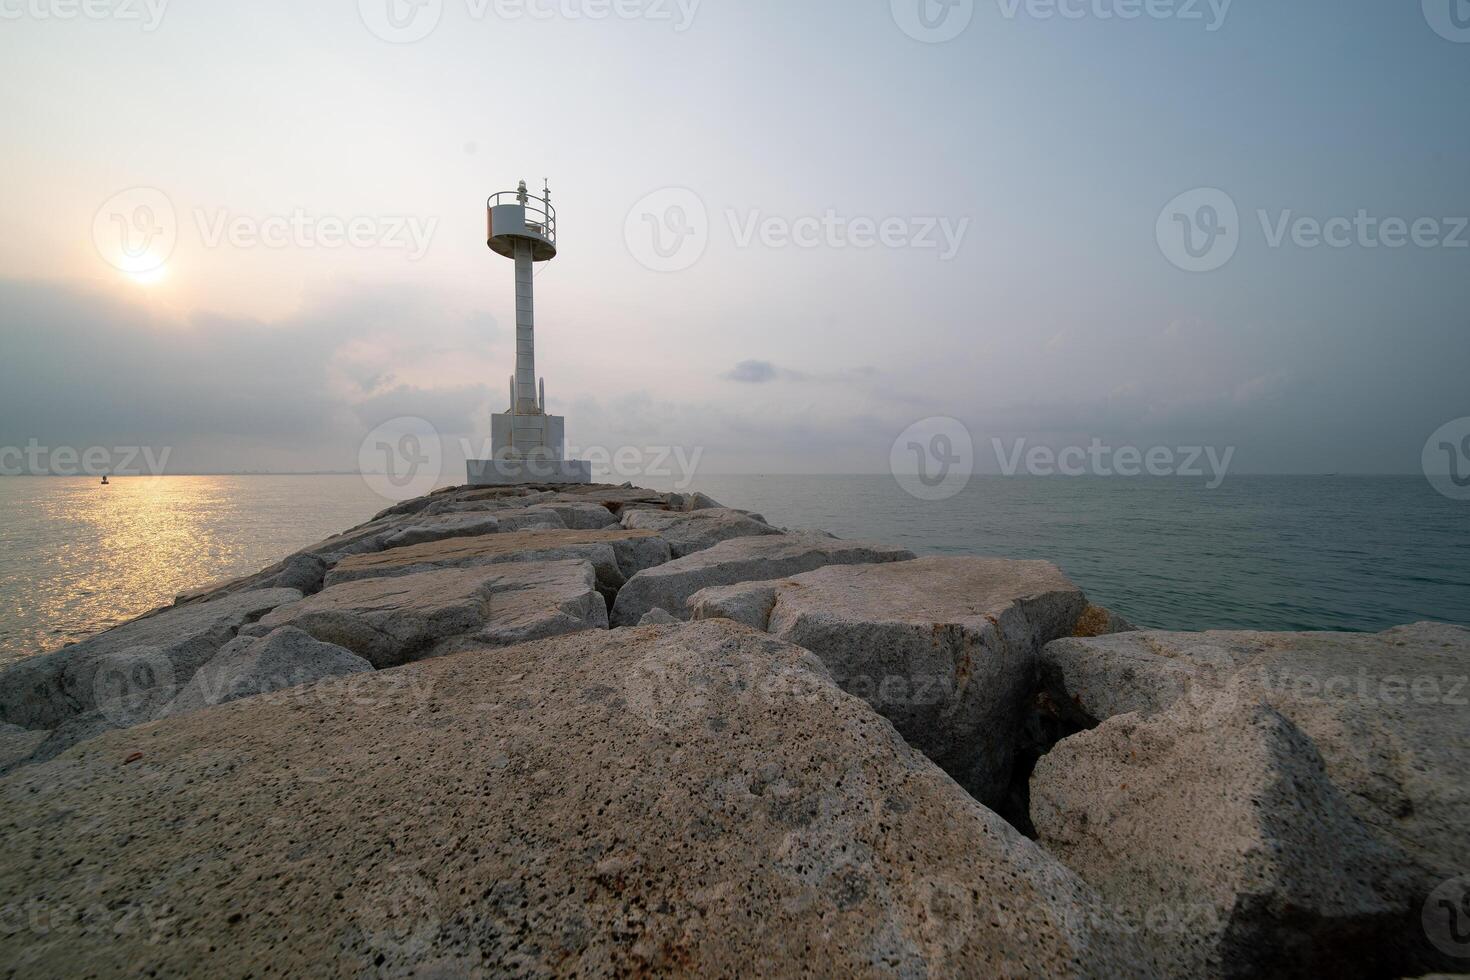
(945, 648)
(1217, 830)
(688, 532)
(307, 569)
(395, 620)
(615, 554)
(697, 800)
(127, 663)
(1388, 715)
(669, 586)
(247, 666)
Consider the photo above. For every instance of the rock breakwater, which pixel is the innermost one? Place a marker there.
(442, 744)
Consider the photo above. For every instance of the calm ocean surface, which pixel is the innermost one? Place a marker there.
(1353, 553)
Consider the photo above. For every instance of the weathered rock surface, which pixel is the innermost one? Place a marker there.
(1098, 621)
(615, 554)
(945, 648)
(439, 528)
(697, 530)
(669, 586)
(657, 617)
(1387, 714)
(395, 620)
(161, 649)
(692, 501)
(1218, 832)
(247, 666)
(18, 743)
(616, 499)
(583, 516)
(698, 800)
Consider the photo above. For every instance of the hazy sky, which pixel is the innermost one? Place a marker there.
(788, 230)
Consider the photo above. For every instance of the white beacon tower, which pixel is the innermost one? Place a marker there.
(527, 444)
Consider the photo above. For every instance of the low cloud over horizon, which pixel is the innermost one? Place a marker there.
(84, 368)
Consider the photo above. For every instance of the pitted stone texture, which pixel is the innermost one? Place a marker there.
(696, 800)
(396, 620)
(1388, 714)
(616, 554)
(247, 666)
(945, 648)
(1216, 829)
(669, 586)
(162, 649)
(694, 531)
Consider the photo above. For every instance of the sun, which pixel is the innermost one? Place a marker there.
(149, 277)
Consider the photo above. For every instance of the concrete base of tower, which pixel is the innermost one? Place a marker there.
(508, 472)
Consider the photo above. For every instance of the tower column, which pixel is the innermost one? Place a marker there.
(527, 446)
(526, 401)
